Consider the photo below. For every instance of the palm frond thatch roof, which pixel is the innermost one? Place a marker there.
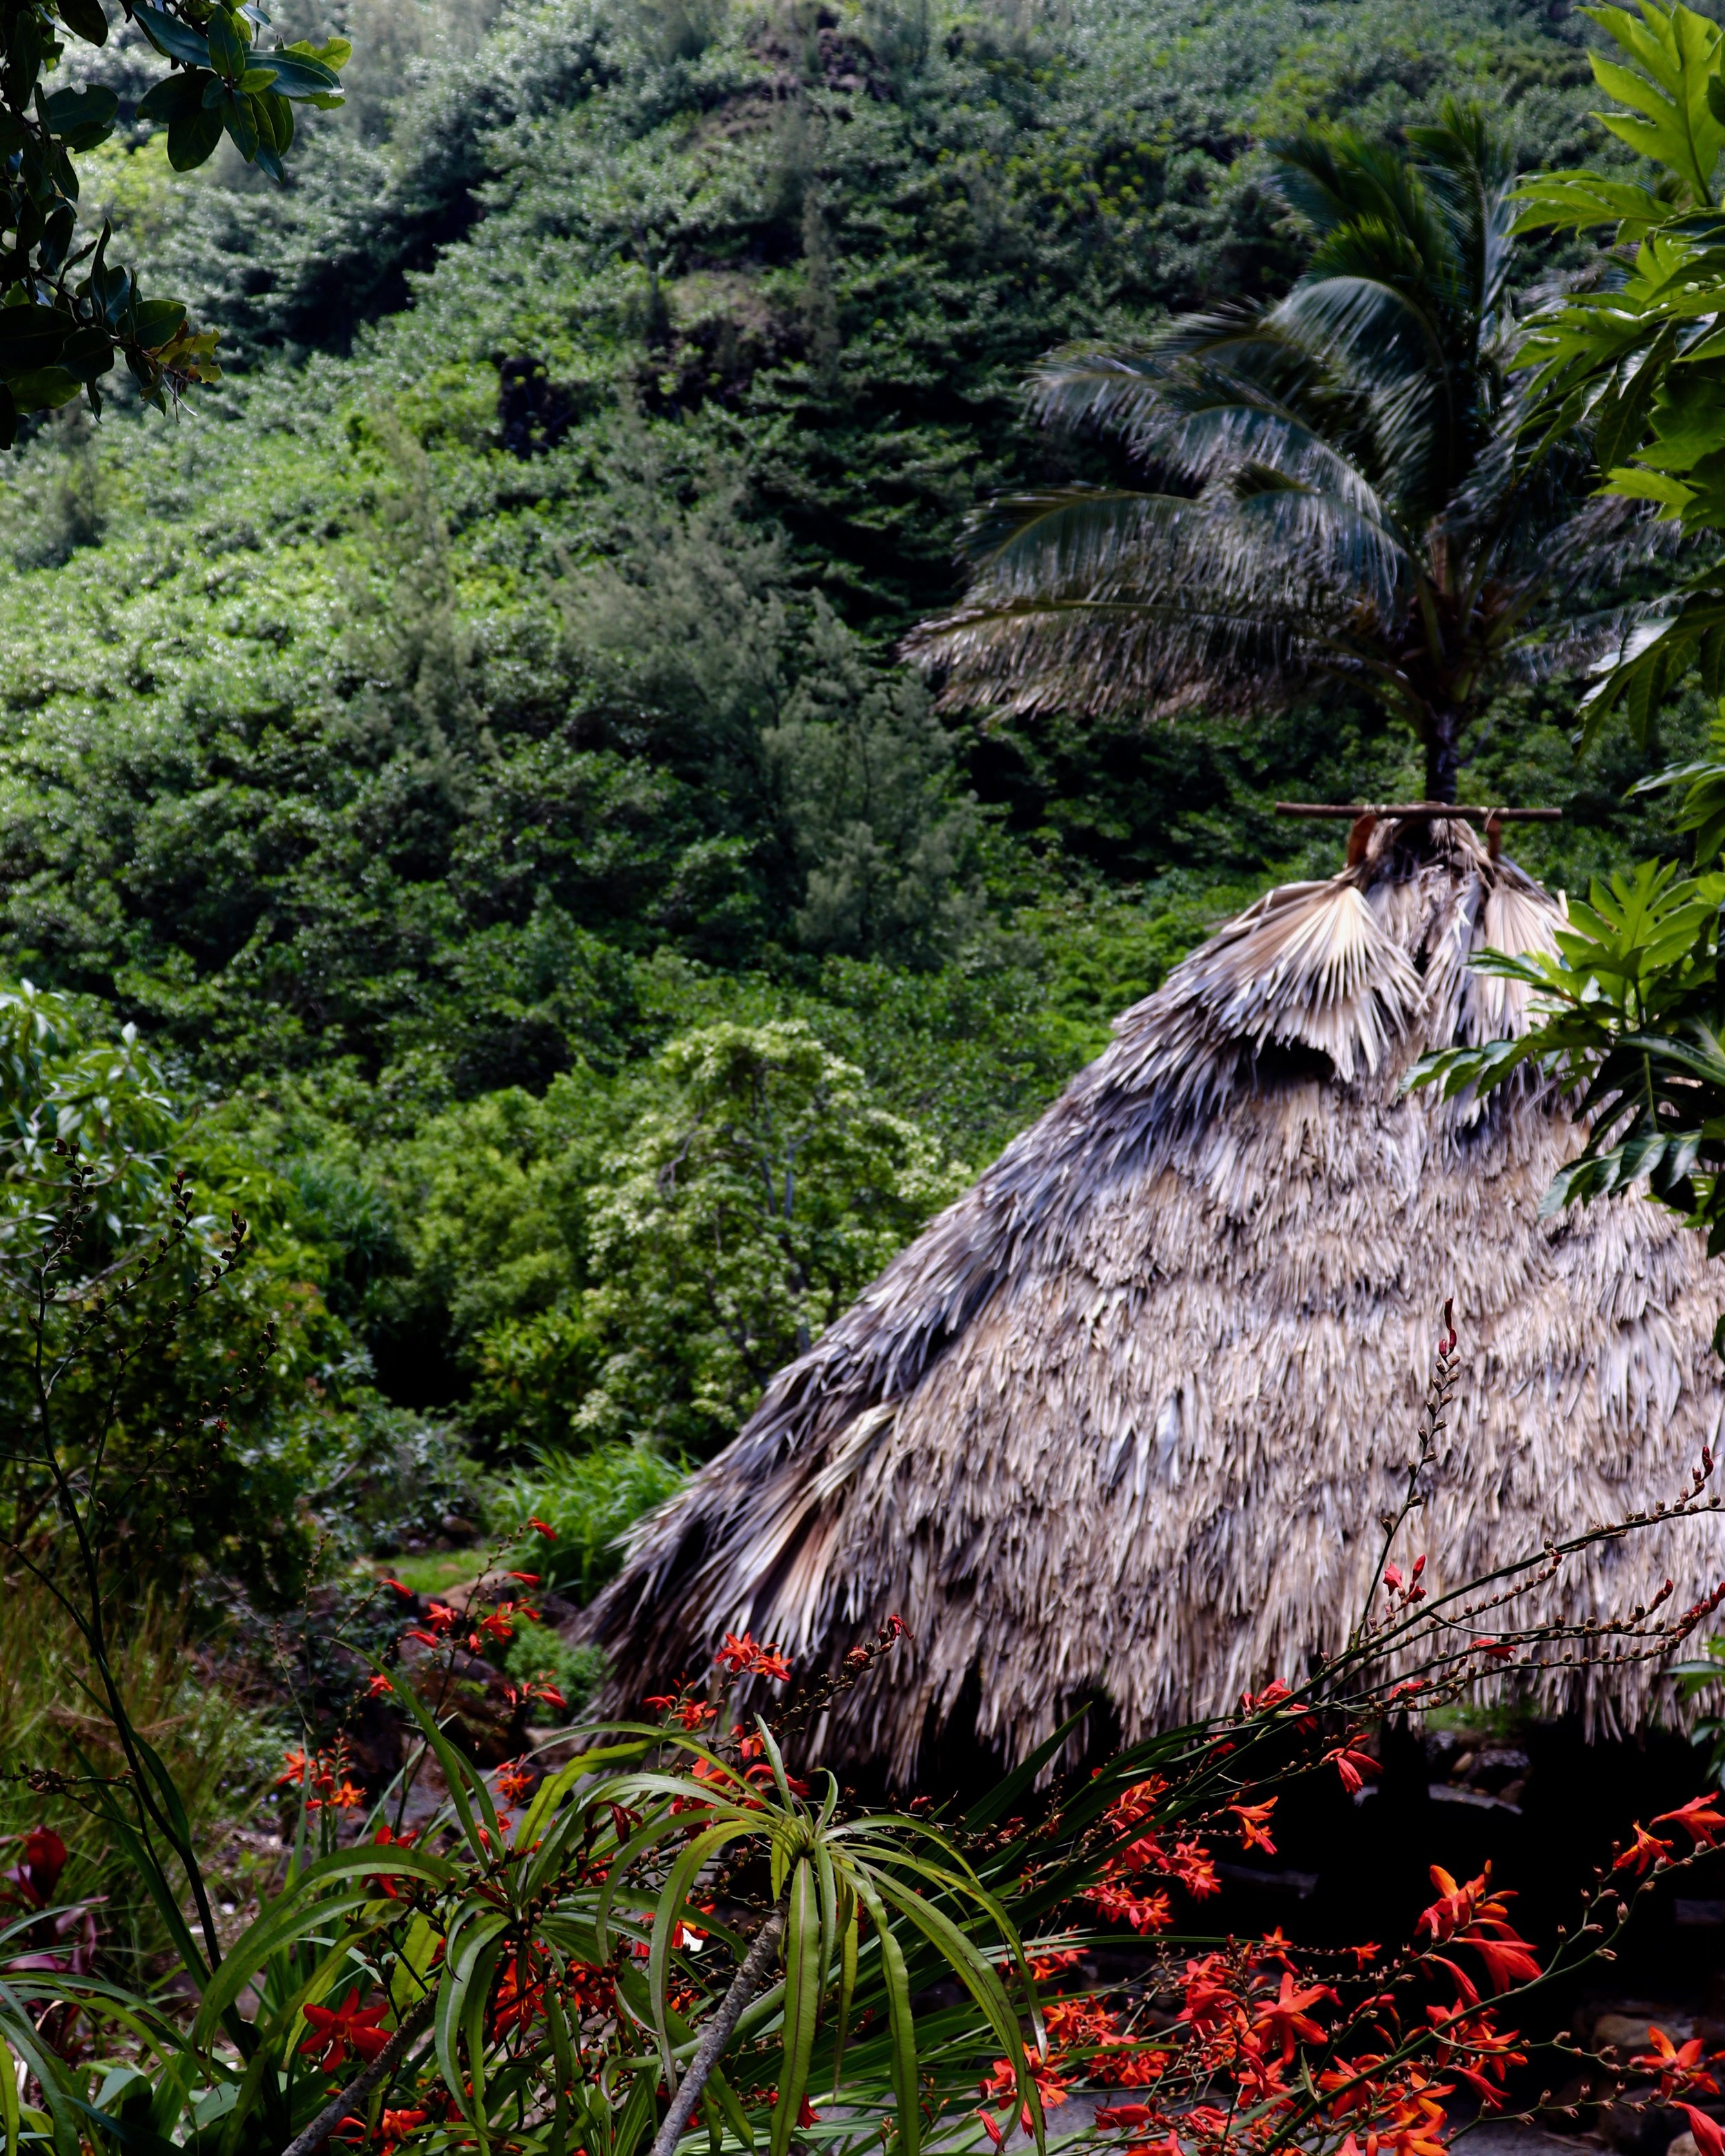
(1123, 1419)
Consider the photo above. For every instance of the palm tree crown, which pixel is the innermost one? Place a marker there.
(1337, 488)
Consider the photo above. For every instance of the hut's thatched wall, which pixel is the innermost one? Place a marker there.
(1123, 1419)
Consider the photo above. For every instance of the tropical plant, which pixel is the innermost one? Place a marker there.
(1627, 1018)
(1339, 490)
(1629, 1014)
(1641, 355)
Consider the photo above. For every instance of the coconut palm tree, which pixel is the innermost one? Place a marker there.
(1336, 490)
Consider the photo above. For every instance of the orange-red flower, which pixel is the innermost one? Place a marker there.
(393, 2128)
(1253, 1824)
(1355, 1767)
(1144, 1913)
(1709, 2136)
(1678, 2066)
(348, 2027)
(386, 1838)
(514, 1781)
(1646, 1851)
(1699, 1819)
(1286, 2019)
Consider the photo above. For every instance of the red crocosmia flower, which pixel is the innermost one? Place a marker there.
(1137, 1804)
(1646, 1851)
(1678, 2066)
(1193, 1865)
(770, 1663)
(348, 2027)
(1286, 2019)
(1253, 1824)
(513, 1782)
(500, 1624)
(378, 1687)
(384, 1838)
(1127, 2117)
(417, 1632)
(44, 1859)
(526, 1578)
(1455, 1906)
(736, 1654)
(1144, 1913)
(340, 1796)
(1496, 1650)
(441, 1617)
(1507, 1961)
(1698, 1818)
(400, 1589)
(806, 2115)
(992, 2130)
(293, 1770)
(543, 1527)
(1709, 2135)
(1356, 1769)
(393, 2128)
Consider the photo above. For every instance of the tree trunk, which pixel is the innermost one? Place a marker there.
(1443, 755)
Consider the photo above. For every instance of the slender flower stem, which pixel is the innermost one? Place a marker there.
(355, 2096)
(749, 1980)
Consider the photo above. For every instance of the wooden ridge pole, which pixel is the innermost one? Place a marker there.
(1427, 812)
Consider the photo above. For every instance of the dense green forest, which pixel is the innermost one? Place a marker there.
(469, 743)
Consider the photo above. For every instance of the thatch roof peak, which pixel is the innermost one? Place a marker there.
(1122, 1418)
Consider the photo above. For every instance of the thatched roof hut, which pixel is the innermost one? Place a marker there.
(1123, 1419)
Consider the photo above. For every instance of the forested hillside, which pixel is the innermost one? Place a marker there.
(468, 742)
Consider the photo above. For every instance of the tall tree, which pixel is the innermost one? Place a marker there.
(1336, 486)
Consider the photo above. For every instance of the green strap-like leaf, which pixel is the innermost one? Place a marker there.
(801, 2001)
